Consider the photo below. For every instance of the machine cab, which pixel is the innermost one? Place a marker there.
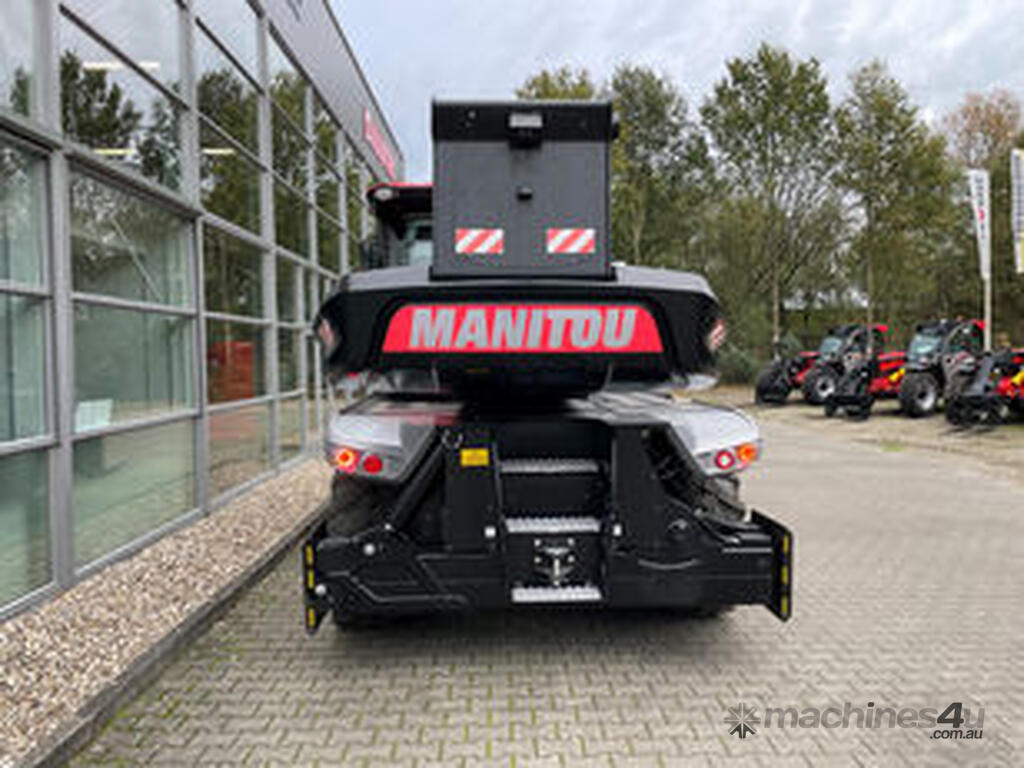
(404, 233)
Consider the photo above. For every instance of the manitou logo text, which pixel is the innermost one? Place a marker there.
(522, 328)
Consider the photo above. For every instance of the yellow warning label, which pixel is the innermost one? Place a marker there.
(475, 457)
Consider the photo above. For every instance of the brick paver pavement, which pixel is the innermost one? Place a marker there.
(909, 593)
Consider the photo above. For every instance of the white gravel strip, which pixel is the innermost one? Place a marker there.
(58, 656)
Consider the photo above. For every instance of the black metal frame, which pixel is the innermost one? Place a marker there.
(666, 538)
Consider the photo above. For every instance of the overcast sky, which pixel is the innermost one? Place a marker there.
(413, 50)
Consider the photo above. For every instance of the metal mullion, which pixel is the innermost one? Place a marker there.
(27, 133)
(192, 144)
(245, 153)
(24, 289)
(140, 306)
(61, 459)
(104, 42)
(28, 600)
(293, 257)
(136, 425)
(235, 231)
(279, 179)
(108, 172)
(227, 317)
(28, 444)
(292, 394)
(234, 405)
(343, 202)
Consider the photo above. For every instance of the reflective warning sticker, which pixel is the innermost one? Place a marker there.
(571, 240)
(472, 241)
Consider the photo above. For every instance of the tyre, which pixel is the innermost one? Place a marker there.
(960, 414)
(771, 386)
(830, 408)
(861, 411)
(819, 385)
(919, 395)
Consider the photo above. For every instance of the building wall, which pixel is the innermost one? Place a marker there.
(181, 181)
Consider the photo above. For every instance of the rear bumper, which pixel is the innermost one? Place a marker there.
(381, 572)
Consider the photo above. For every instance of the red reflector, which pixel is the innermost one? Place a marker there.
(724, 459)
(346, 459)
(372, 464)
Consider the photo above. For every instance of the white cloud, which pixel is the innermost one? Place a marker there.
(413, 51)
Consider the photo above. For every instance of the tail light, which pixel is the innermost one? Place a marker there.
(730, 459)
(372, 464)
(346, 460)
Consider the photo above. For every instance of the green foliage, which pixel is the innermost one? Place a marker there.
(562, 83)
(804, 215)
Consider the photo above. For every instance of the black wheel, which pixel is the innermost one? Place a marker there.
(830, 409)
(771, 386)
(960, 414)
(861, 411)
(819, 385)
(919, 394)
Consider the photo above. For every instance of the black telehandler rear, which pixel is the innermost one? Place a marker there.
(521, 446)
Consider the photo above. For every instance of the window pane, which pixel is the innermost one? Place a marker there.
(22, 368)
(291, 428)
(234, 361)
(354, 202)
(148, 33)
(129, 484)
(287, 86)
(225, 95)
(123, 245)
(291, 224)
(286, 304)
(16, 36)
(326, 132)
(328, 187)
(234, 272)
(24, 524)
(288, 357)
(229, 183)
(111, 109)
(239, 446)
(290, 152)
(328, 242)
(130, 364)
(21, 215)
(234, 24)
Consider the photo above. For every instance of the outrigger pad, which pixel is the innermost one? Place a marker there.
(782, 556)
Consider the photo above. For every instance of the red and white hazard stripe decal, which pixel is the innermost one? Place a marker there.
(469, 240)
(571, 240)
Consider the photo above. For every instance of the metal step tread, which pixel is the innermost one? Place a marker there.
(577, 593)
(552, 525)
(550, 466)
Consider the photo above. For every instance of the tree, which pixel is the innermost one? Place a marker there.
(982, 131)
(983, 128)
(660, 170)
(770, 122)
(900, 188)
(563, 83)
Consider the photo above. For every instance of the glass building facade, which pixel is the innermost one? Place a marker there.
(181, 183)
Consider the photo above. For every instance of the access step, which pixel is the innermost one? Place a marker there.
(554, 466)
(582, 593)
(540, 526)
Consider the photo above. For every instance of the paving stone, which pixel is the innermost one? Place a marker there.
(904, 596)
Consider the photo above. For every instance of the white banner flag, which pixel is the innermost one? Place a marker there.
(979, 184)
(1017, 201)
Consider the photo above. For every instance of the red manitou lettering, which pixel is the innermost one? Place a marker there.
(522, 328)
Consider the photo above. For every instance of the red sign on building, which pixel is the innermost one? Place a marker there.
(373, 136)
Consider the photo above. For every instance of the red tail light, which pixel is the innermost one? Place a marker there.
(372, 464)
(724, 459)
